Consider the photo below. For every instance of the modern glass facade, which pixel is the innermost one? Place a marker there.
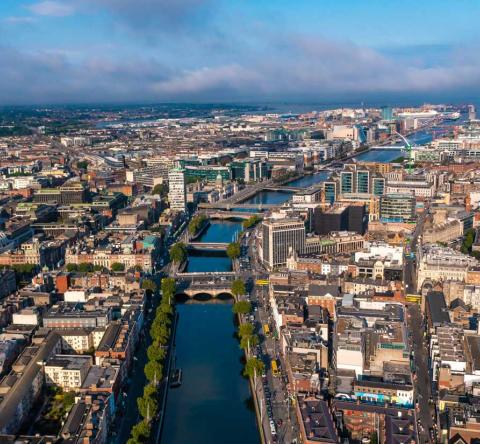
(378, 186)
(346, 182)
(363, 182)
(330, 192)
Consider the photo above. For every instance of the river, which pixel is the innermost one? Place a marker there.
(213, 403)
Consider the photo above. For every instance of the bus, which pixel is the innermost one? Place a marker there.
(275, 371)
(266, 330)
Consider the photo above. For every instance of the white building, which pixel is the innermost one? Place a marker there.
(67, 371)
(177, 194)
(280, 238)
(27, 316)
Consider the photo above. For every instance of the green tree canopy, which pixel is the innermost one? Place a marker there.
(178, 252)
(238, 288)
(156, 352)
(249, 341)
(153, 371)
(72, 267)
(251, 221)
(161, 188)
(147, 406)
(117, 266)
(242, 307)
(233, 250)
(82, 165)
(85, 267)
(168, 286)
(197, 223)
(148, 284)
(159, 331)
(253, 366)
(140, 432)
(245, 330)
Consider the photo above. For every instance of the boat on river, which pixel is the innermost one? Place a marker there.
(176, 378)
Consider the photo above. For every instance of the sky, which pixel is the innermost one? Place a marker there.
(147, 51)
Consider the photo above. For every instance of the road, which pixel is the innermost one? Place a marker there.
(422, 377)
(271, 391)
(415, 327)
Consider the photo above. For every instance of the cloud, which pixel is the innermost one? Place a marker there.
(150, 18)
(20, 20)
(296, 67)
(52, 8)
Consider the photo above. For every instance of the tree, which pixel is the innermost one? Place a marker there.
(97, 268)
(85, 267)
(156, 352)
(138, 268)
(245, 330)
(159, 331)
(140, 431)
(233, 250)
(82, 165)
(249, 341)
(238, 288)
(161, 189)
(168, 286)
(251, 221)
(149, 390)
(72, 267)
(147, 406)
(153, 371)
(253, 366)
(148, 284)
(178, 253)
(196, 224)
(117, 266)
(242, 307)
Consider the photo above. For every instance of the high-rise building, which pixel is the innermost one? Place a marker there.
(280, 236)
(472, 115)
(177, 194)
(387, 113)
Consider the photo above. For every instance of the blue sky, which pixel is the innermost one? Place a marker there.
(64, 51)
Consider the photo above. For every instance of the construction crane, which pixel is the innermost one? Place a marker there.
(408, 148)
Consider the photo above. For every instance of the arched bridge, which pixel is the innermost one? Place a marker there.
(213, 284)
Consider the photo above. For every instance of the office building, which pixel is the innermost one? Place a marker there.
(177, 194)
(280, 236)
(397, 207)
(341, 217)
(387, 113)
(472, 114)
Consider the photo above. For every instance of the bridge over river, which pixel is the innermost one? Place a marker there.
(211, 284)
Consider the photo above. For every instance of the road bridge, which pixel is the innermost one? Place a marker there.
(212, 286)
(221, 214)
(221, 205)
(211, 246)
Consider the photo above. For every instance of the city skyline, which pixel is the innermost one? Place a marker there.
(105, 51)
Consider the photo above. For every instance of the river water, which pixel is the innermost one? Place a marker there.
(213, 403)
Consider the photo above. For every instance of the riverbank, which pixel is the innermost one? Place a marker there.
(166, 381)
